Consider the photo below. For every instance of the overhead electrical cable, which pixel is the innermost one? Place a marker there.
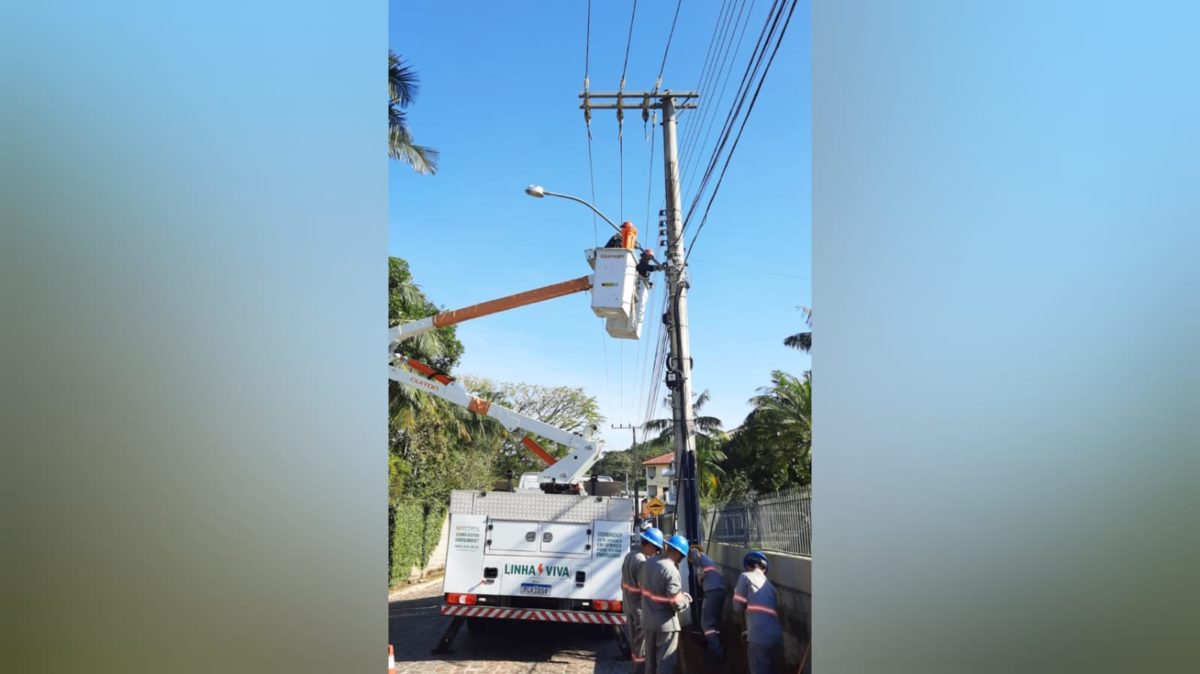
(729, 156)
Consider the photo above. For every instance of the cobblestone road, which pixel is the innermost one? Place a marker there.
(415, 626)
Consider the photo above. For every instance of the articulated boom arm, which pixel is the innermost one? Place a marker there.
(568, 470)
(404, 331)
(620, 304)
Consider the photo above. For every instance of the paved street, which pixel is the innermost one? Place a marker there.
(414, 627)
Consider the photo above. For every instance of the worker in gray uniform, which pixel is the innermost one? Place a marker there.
(631, 594)
(713, 603)
(754, 599)
(662, 599)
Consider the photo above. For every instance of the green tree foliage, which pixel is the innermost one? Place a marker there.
(802, 340)
(772, 449)
(433, 444)
(406, 302)
(413, 533)
(402, 90)
(710, 440)
(624, 467)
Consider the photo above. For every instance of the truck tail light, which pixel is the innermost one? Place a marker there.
(455, 598)
(609, 605)
(600, 605)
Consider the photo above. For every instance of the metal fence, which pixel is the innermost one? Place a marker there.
(780, 522)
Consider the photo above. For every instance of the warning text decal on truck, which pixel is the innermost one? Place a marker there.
(611, 544)
(466, 537)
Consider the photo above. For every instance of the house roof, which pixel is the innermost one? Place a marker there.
(663, 460)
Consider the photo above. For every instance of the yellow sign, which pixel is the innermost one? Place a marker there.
(656, 507)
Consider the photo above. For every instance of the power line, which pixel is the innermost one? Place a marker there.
(587, 119)
(628, 42)
(587, 43)
(663, 65)
(621, 115)
(649, 183)
(735, 108)
(685, 143)
(752, 67)
(750, 270)
(716, 68)
(716, 102)
(729, 156)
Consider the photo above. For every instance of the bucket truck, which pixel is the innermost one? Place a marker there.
(548, 554)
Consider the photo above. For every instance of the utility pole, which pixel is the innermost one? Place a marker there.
(635, 466)
(679, 360)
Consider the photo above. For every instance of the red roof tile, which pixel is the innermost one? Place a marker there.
(664, 460)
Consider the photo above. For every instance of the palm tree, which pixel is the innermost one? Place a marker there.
(710, 437)
(402, 89)
(802, 340)
(783, 411)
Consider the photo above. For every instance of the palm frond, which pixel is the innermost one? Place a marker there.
(422, 158)
(800, 340)
(402, 81)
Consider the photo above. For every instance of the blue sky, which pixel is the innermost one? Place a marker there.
(499, 99)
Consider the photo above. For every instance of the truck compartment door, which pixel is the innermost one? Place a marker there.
(512, 536)
(563, 539)
(464, 556)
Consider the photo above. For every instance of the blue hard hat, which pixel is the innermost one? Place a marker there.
(679, 543)
(654, 537)
(756, 557)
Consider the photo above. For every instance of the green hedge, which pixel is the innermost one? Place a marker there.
(413, 532)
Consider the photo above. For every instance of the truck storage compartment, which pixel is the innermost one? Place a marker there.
(512, 536)
(565, 538)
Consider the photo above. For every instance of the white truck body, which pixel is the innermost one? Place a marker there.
(536, 556)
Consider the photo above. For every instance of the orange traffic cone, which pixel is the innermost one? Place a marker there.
(391, 660)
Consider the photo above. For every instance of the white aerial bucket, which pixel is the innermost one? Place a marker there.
(632, 328)
(614, 284)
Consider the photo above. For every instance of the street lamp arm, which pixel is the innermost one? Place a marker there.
(581, 201)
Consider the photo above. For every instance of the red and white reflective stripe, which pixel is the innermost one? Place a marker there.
(741, 598)
(708, 632)
(661, 598)
(637, 659)
(710, 568)
(759, 608)
(631, 589)
(581, 617)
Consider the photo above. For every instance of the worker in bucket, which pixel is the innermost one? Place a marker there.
(626, 237)
(646, 264)
(754, 599)
(651, 544)
(662, 599)
(713, 604)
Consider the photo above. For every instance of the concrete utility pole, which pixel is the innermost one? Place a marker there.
(635, 467)
(679, 361)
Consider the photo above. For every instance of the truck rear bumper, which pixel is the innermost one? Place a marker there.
(543, 615)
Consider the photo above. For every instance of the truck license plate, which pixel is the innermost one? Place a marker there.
(534, 588)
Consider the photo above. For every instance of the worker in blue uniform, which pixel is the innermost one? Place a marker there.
(713, 603)
(754, 599)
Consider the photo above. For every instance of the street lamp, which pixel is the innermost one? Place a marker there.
(538, 191)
